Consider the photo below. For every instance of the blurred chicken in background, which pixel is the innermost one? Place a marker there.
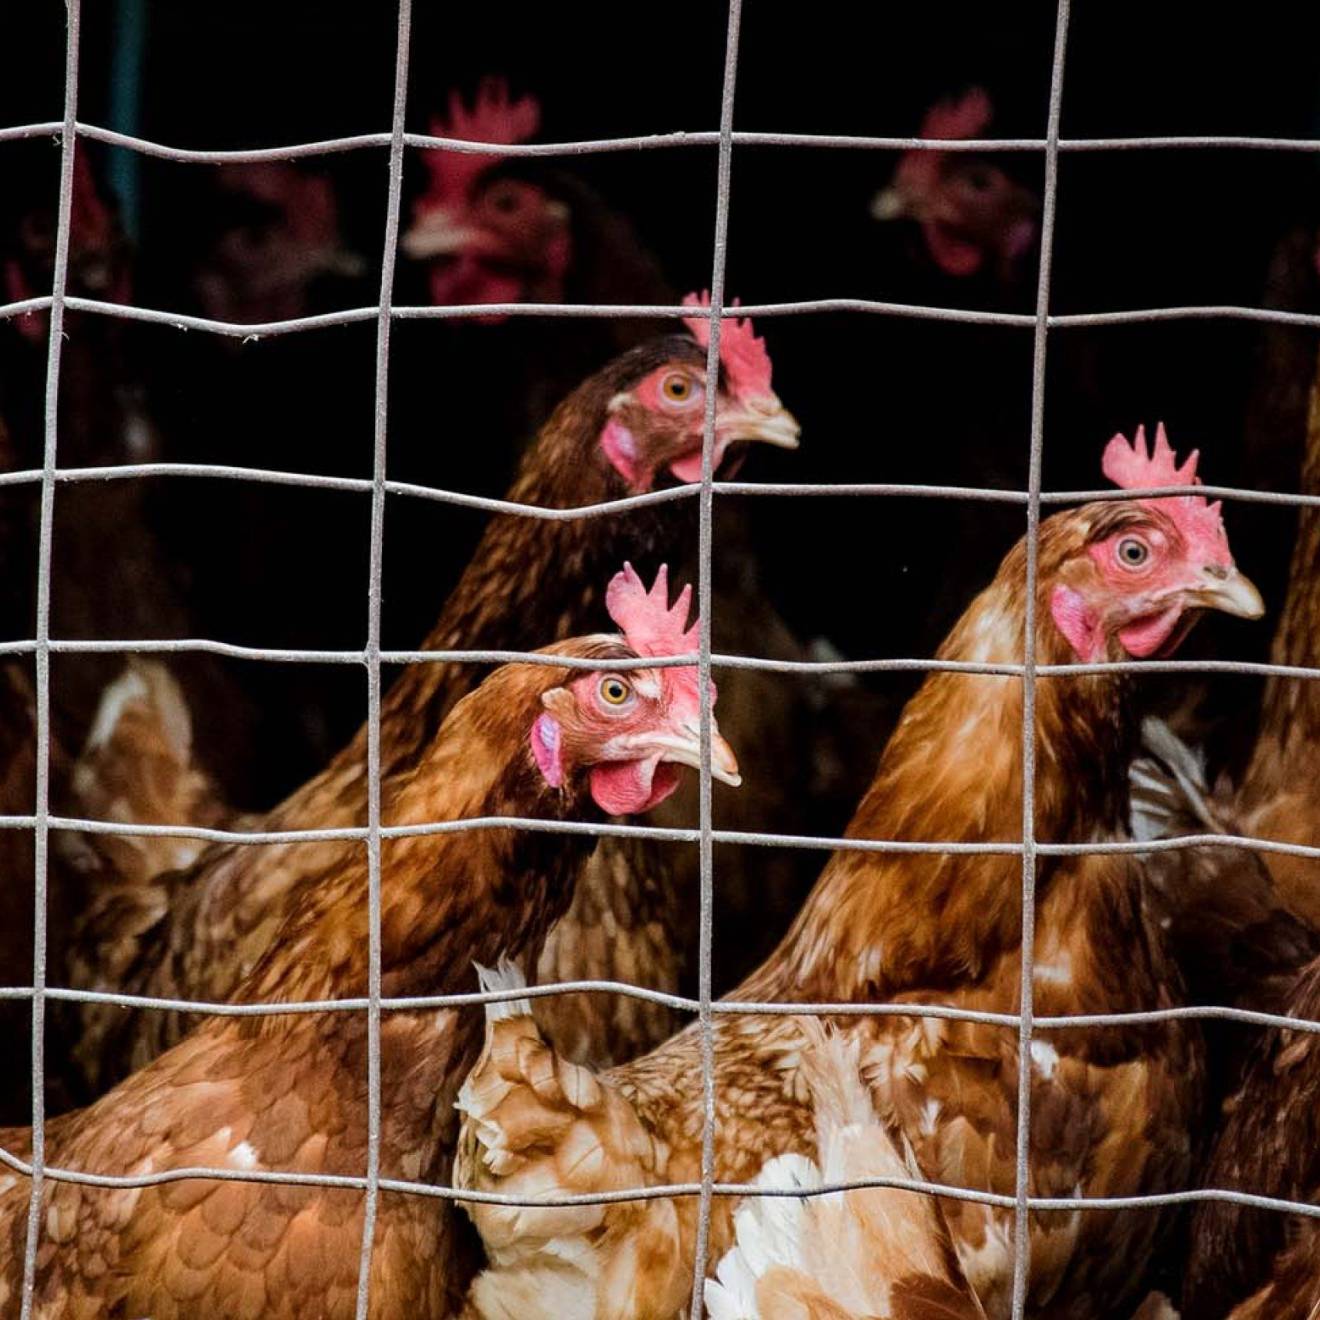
(974, 218)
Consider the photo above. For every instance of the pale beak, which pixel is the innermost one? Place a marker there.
(762, 418)
(441, 233)
(888, 205)
(685, 749)
(1228, 590)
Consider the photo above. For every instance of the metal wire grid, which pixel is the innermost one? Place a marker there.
(42, 646)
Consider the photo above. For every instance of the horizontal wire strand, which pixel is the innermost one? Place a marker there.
(253, 331)
(654, 141)
(673, 834)
(681, 1003)
(664, 1191)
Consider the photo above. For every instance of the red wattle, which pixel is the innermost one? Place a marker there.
(1145, 637)
(687, 468)
(954, 256)
(627, 788)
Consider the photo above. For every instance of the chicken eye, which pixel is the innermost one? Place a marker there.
(614, 691)
(1132, 553)
(505, 200)
(676, 387)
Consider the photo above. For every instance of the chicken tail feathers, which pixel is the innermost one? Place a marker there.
(769, 1237)
(137, 767)
(1170, 795)
(505, 976)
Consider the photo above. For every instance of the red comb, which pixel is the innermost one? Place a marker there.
(91, 221)
(1135, 467)
(650, 624)
(744, 356)
(492, 118)
(965, 117)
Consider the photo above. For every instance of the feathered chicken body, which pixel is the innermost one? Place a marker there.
(197, 933)
(289, 1092)
(534, 1125)
(1112, 1111)
(1277, 798)
(1269, 1263)
(1254, 1263)
(875, 1253)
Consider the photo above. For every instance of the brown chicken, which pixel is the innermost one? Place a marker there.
(1113, 1111)
(1269, 1140)
(104, 420)
(1258, 1264)
(1277, 797)
(494, 229)
(197, 933)
(288, 1092)
(501, 229)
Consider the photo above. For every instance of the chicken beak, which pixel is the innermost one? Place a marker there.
(443, 233)
(761, 418)
(888, 204)
(1230, 591)
(684, 748)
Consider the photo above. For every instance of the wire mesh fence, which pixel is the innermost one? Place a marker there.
(397, 141)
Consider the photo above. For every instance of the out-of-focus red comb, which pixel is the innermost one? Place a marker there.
(91, 222)
(744, 354)
(1135, 466)
(965, 116)
(493, 117)
(958, 118)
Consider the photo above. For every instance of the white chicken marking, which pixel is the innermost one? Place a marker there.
(1059, 973)
(129, 686)
(993, 1259)
(505, 975)
(930, 1116)
(243, 1156)
(1045, 1057)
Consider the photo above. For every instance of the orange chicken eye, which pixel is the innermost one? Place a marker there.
(676, 387)
(614, 691)
(1132, 553)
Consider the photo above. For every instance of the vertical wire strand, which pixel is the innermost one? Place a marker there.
(705, 535)
(378, 472)
(1021, 1212)
(45, 546)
